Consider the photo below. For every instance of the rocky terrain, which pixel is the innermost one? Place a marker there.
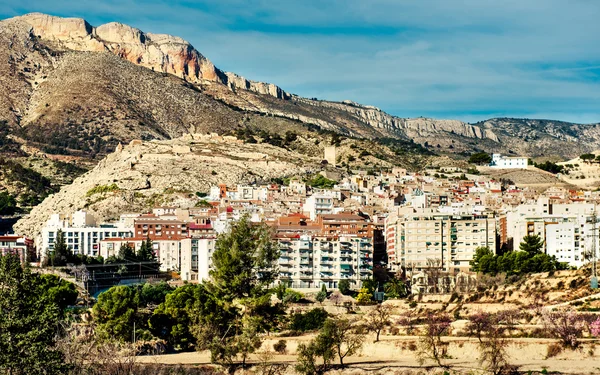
(41, 48)
(141, 175)
(72, 92)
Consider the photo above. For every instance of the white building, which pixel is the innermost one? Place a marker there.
(509, 162)
(82, 234)
(318, 204)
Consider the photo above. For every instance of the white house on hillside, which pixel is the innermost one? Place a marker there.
(512, 162)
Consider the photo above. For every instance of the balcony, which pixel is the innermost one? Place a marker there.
(305, 261)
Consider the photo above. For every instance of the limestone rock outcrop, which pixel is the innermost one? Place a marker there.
(159, 52)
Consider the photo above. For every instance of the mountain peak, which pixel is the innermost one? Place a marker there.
(159, 52)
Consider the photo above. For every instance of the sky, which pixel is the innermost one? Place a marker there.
(459, 59)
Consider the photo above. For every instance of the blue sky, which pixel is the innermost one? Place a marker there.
(461, 59)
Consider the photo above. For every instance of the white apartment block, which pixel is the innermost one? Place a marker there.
(509, 162)
(309, 261)
(318, 204)
(191, 257)
(414, 239)
(82, 234)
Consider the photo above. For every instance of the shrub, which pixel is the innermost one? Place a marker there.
(344, 287)
(280, 347)
(100, 189)
(553, 350)
(308, 321)
(292, 296)
(412, 304)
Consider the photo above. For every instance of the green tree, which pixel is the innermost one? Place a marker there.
(339, 333)
(126, 252)
(115, 313)
(244, 261)
(395, 288)
(62, 254)
(480, 158)
(344, 287)
(322, 295)
(62, 292)
(146, 252)
(480, 252)
(532, 245)
(8, 204)
(587, 157)
(239, 305)
(154, 294)
(29, 322)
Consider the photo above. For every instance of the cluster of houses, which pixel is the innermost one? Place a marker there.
(398, 221)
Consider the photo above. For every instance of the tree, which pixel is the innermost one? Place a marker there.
(564, 324)
(146, 252)
(154, 294)
(344, 287)
(60, 291)
(29, 321)
(532, 245)
(480, 158)
(244, 261)
(115, 313)
(479, 323)
(493, 349)
(8, 204)
(337, 337)
(480, 253)
(378, 319)
(237, 305)
(308, 321)
(431, 345)
(395, 288)
(126, 252)
(364, 296)
(322, 295)
(587, 157)
(308, 355)
(62, 254)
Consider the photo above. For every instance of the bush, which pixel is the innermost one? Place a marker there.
(344, 287)
(280, 347)
(553, 350)
(308, 321)
(100, 189)
(412, 304)
(292, 296)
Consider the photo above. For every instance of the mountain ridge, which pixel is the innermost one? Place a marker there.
(57, 40)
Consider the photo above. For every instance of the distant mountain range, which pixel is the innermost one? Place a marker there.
(67, 86)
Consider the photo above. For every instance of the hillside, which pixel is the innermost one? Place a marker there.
(141, 175)
(72, 92)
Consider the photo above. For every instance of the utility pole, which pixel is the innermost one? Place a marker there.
(594, 279)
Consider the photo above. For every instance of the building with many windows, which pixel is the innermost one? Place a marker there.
(419, 238)
(82, 234)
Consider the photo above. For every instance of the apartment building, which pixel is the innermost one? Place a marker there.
(319, 204)
(19, 245)
(423, 236)
(82, 234)
(325, 251)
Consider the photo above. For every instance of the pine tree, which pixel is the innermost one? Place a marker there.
(62, 254)
(532, 245)
(126, 253)
(28, 323)
(146, 252)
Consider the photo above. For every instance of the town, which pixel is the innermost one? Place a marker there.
(327, 230)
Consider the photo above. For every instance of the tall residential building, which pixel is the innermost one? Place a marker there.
(425, 237)
(325, 251)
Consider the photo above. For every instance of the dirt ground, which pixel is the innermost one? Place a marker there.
(392, 355)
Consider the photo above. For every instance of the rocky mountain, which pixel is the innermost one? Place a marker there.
(71, 92)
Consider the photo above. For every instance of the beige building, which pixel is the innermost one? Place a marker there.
(418, 239)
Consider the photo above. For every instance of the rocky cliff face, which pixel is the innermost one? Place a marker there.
(159, 52)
